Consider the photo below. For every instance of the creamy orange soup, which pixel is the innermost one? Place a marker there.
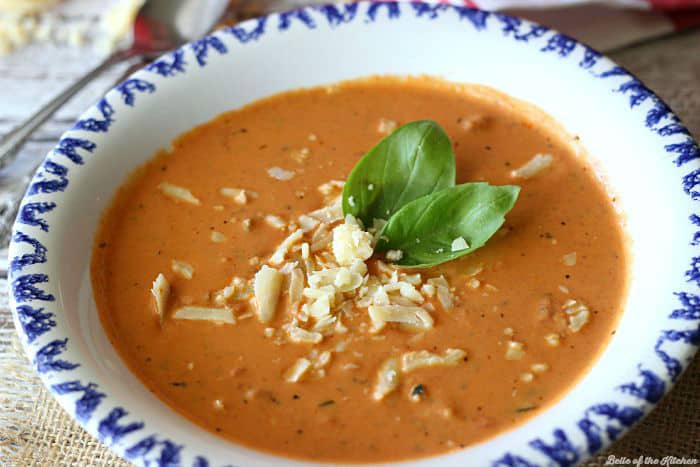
(530, 311)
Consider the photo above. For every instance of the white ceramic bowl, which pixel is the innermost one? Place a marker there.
(646, 154)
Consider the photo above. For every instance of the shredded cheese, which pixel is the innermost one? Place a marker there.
(413, 316)
(275, 222)
(411, 361)
(279, 173)
(394, 255)
(217, 237)
(161, 292)
(577, 314)
(280, 253)
(178, 193)
(266, 286)
(459, 244)
(515, 351)
(387, 379)
(386, 126)
(533, 167)
(182, 269)
(238, 195)
(297, 371)
(302, 336)
(222, 315)
(552, 339)
(569, 259)
(351, 243)
(527, 377)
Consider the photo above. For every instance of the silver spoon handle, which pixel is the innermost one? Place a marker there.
(12, 141)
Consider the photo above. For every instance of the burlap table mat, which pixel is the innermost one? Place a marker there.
(35, 431)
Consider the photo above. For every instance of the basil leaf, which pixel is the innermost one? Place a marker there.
(415, 160)
(425, 229)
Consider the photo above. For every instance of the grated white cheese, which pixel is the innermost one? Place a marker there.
(386, 126)
(413, 316)
(181, 268)
(351, 243)
(577, 314)
(275, 222)
(328, 188)
(237, 289)
(296, 285)
(300, 155)
(527, 377)
(569, 259)
(471, 122)
(407, 290)
(423, 359)
(279, 173)
(161, 292)
(297, 371)
(515, 351)
(178, 193)
(394, 255)
(280, 253)
(331, 213)
(552, 339)
(322, 360)
(266, 287)
(238, 195)
(533, 167)
(117, 22)
(459, 244)
(443, 291)
(428, 290)
(302, 336)
(217, 237)
(307, 223)
(222, 315)
(387, 379)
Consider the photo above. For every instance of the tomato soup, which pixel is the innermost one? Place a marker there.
(258, 330)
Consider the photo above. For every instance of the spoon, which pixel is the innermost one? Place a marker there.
(160, 25)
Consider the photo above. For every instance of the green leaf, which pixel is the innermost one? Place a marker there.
(424, 229)
(415, 160)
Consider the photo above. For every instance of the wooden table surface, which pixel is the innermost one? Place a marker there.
(670, 66)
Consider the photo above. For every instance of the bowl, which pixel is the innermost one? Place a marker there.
(648, 158)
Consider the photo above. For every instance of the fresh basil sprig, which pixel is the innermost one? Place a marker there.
(415, 160)
(426, 230)
(409, 179)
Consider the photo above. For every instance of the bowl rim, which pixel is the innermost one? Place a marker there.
(28, 257)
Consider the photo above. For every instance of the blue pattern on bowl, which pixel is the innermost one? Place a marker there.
(599, 424)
